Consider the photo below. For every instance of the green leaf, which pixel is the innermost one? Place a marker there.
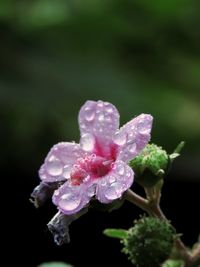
(55, 264)
(116, 233)
(177, 151)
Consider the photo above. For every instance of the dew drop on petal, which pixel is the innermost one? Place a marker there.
(120, 139)
(68, 202)
(121, 170)
(86, 179)
(100, 103)
(91, 191)
(108, 119)
(112, 179)
(144, 131)
(56, 192)
(43, 176)
(66, 171)
(143, 127)
(52, 157)
(128, 174)
(101, 117)
(87, 142)
(109, 109)
(132, 148)
(54, 168)
(103, 182)
(113, 191)
(89, 114)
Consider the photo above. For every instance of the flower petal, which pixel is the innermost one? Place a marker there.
(114, 184)
(133, 137)
(71, 198)
(97, 120)
(59, 161)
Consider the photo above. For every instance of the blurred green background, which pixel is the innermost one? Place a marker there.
(141, 55)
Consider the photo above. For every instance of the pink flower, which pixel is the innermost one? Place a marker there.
(98, 166)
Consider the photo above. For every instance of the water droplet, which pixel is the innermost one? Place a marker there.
(69, 202)
(143, 127)
(91, 190)
(86, 178)
(89, 115)
(54, 168)
(109, 109)
(144, 131)
(142, 116)
(52, 158)
(43, 176)
(103, 182)
(56, 193)
(113, 191)
(66, 171)
(108, 118)
(101, 117)
(128, 174)
(100, 103)
(112, 179)
(82, 126)
(132, 148)
(131, 136)
(121, 170)
(87, 142)
(120, 139)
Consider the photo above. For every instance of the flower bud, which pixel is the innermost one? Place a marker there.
(59, 226)
(150, 165)
(43, 192)
(149, 242)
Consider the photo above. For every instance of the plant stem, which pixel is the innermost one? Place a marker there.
(196, 254)
(138, 200)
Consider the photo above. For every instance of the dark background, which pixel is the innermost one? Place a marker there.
(143, 56)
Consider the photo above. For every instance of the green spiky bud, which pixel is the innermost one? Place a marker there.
(149, 242)
(150, 165)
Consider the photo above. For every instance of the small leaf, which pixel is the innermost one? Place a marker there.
(179, 148)
(55, 264)
(116, 233)
(177, 151)
(174, 155)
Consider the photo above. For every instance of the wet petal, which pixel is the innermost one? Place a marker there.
(97, 120)
(59, 161)
(113, 185)
(133, 136)
(71, 198)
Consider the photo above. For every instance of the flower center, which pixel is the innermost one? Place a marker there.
(90, 167)
(93, 166)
